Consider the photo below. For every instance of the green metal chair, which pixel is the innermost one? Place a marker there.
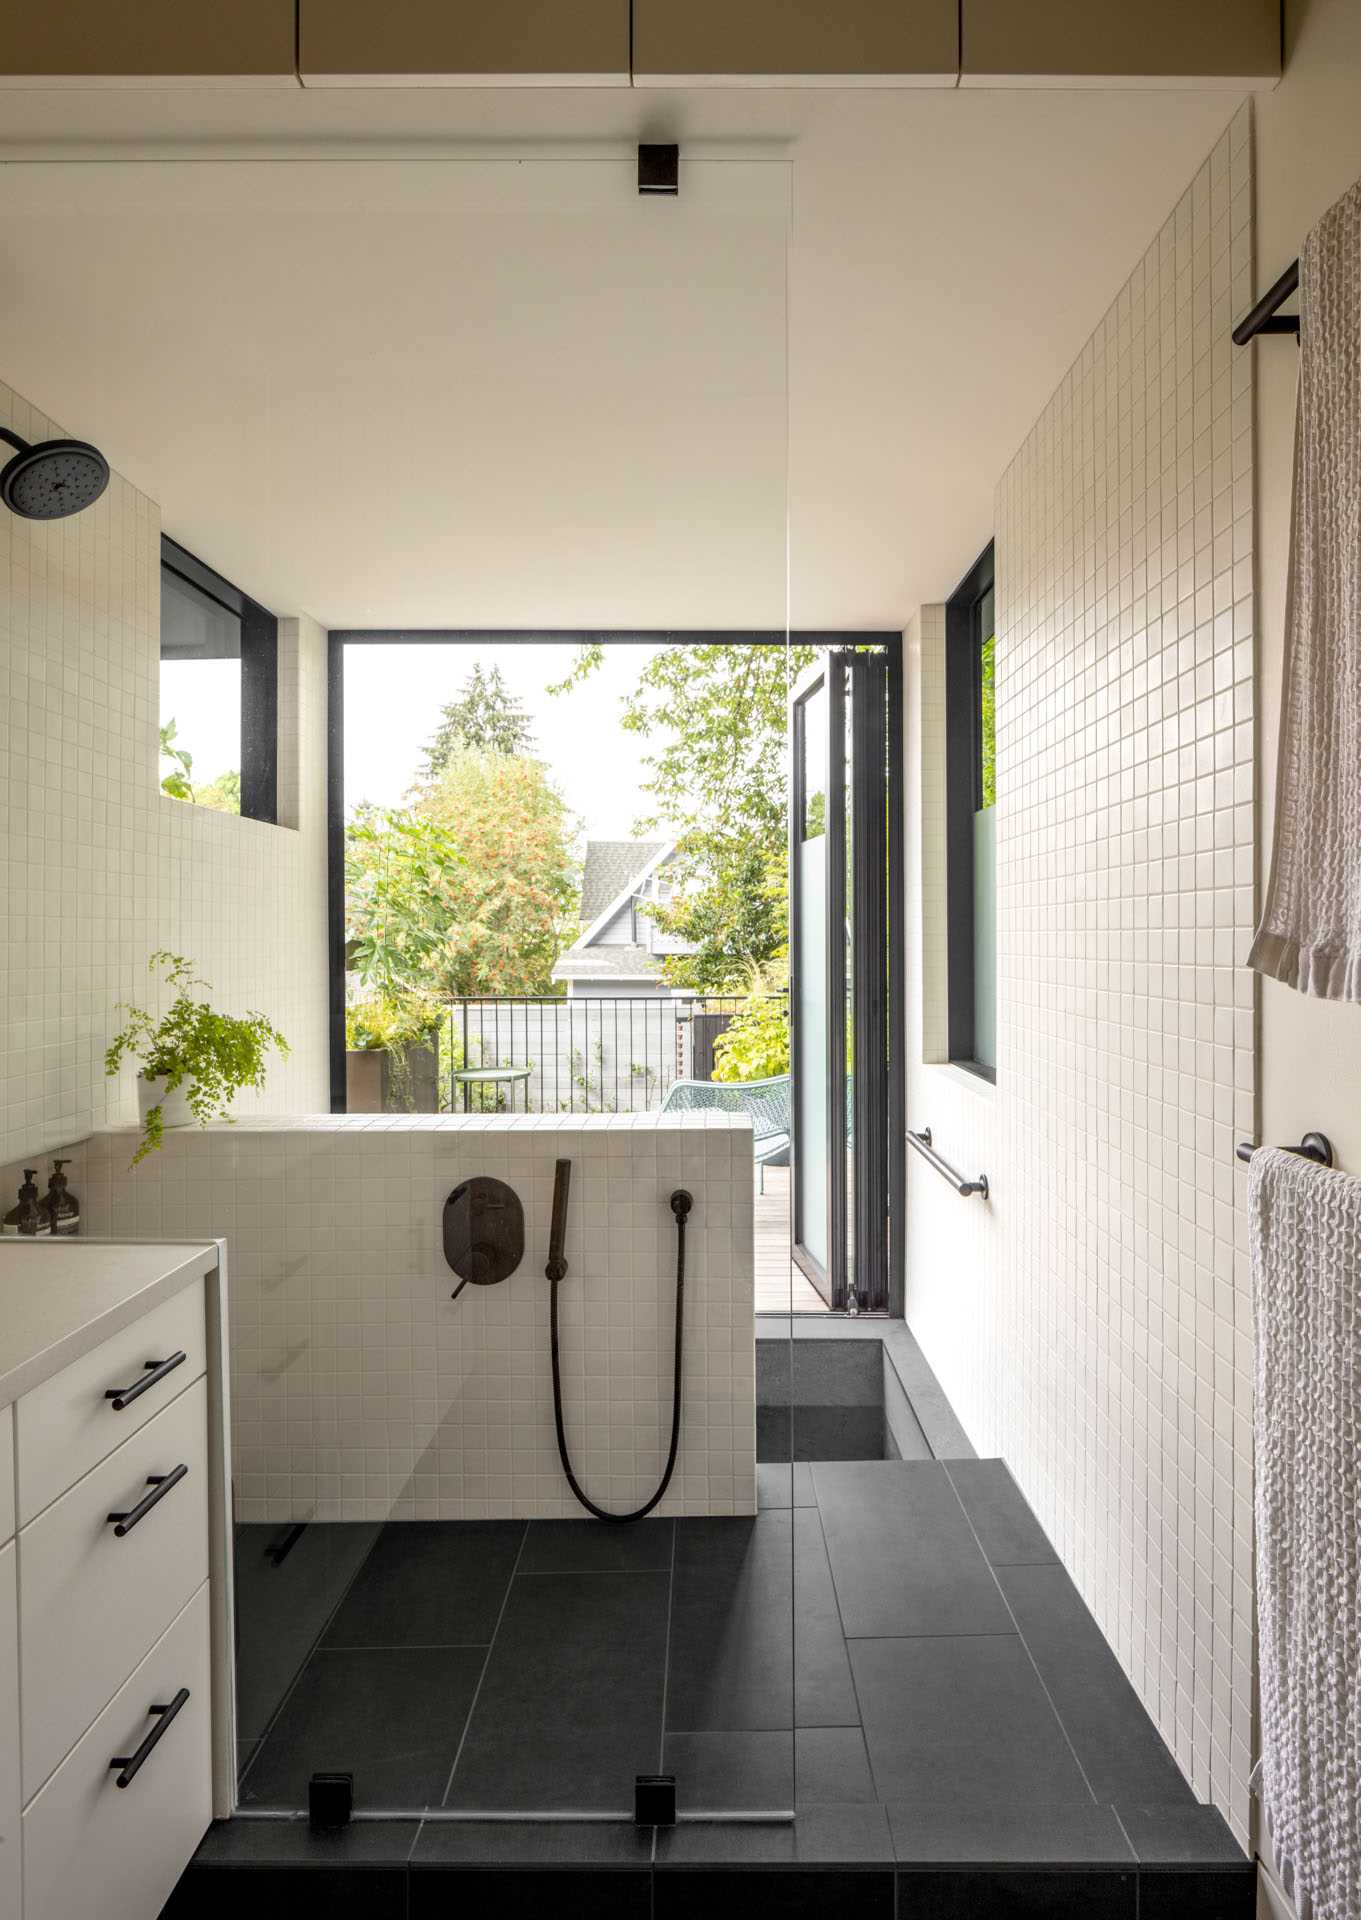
(767, 1102)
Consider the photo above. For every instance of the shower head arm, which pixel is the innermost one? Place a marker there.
(20, 446)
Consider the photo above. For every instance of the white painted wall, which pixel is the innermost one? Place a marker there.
(101, 867)
(1091, 1322)
(1308, 152)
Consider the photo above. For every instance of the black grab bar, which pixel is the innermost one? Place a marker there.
(1314, 1146)
(1263, 318)
(922, 1142)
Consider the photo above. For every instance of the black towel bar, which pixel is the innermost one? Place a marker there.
(1264, 318)
(1314, 1146)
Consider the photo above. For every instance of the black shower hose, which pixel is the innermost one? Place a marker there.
(681, 1203)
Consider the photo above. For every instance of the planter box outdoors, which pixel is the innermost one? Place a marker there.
(376, 1083)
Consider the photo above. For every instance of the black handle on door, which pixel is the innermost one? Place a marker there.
(156, 1372)
(160, 1484)
(132, 1763)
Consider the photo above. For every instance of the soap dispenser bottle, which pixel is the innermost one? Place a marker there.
(63, 1208)
(28, 1217)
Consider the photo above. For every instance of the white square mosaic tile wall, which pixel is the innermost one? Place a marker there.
(100, 867)
(1092, 1320)
(360, 1390)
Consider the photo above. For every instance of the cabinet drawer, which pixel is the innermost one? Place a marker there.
(6, 1474)
(90, 1602)
(91, 1847)
(67, 1424)
(9, 1746)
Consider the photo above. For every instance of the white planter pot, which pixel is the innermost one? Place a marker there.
(175, 1108)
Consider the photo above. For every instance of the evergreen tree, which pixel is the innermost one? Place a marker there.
(485, 716)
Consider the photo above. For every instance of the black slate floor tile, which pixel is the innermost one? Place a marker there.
(520, 1893)
(831, 1764)
(903, 1556)
(282, 1608)
(738, 1893)
(595, 1546)
(429, 1583)
(289, 1893)
(532, 1843)
(782, 1484)
(391, 1716)
(1181, 1836)
(1080, 1894)
(966, 1831)
(292, 1843)
(965, 1717)
(1007, 1530)
(744, 1650)
(821, 1836)
(731, 1772)
(731, 1657)
(1120, 1749)
(570, 1708)
(1185, 1893)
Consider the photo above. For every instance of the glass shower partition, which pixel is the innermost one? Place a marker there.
(428, 1617)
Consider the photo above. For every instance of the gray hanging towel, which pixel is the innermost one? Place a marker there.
(1304, 1225)
(1310, 935)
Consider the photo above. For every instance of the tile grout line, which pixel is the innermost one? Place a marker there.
(666, 1693)
(491, 1644)
(1016, 1625)
(306, 1661)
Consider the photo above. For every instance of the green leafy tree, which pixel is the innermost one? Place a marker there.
(987, 700)
(755, 1044)
(223, 795)
(485, 716)
(717, 718)
(401, 870)
(468, 891)
(178, 781)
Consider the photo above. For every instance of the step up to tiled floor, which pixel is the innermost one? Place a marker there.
(956, 1737)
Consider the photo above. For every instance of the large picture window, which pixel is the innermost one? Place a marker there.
(219, 691)
(971, 818)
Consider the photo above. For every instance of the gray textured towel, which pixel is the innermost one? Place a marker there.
(1310, 935)
(1305, 1230)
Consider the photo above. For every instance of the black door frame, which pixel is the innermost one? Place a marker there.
(837, 642)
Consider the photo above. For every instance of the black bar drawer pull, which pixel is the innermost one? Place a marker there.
(132, 1763)
(160, 1484)
(156, 1370)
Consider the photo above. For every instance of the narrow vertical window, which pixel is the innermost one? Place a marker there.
(971, 818)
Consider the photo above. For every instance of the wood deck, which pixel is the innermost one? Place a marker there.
(780, 1287)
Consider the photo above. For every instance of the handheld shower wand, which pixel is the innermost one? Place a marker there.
(556, 1272)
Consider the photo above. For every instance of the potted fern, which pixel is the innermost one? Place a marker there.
(194, 1061)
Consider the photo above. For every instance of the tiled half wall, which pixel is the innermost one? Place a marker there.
(1091, 1321)
(361, 1391)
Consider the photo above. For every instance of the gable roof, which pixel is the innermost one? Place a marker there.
(607, 963)
(612, 869)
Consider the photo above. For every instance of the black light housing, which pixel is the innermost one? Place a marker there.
(658, 169)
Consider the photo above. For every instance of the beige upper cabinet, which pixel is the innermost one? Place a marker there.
(877, 43)
(96, 42)
(464, 43)
(1103, 42)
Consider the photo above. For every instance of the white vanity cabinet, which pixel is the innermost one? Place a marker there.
(113, 1560)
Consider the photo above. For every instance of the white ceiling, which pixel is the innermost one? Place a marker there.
(413, 383)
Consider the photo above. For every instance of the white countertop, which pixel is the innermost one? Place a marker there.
(59, 1298)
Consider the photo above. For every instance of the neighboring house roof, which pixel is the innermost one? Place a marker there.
(614, 873)
(611, 871)
(606, 963)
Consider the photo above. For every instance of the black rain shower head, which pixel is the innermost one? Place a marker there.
(53, 479)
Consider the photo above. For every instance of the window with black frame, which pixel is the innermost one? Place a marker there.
(971, 818)
(219, 691)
